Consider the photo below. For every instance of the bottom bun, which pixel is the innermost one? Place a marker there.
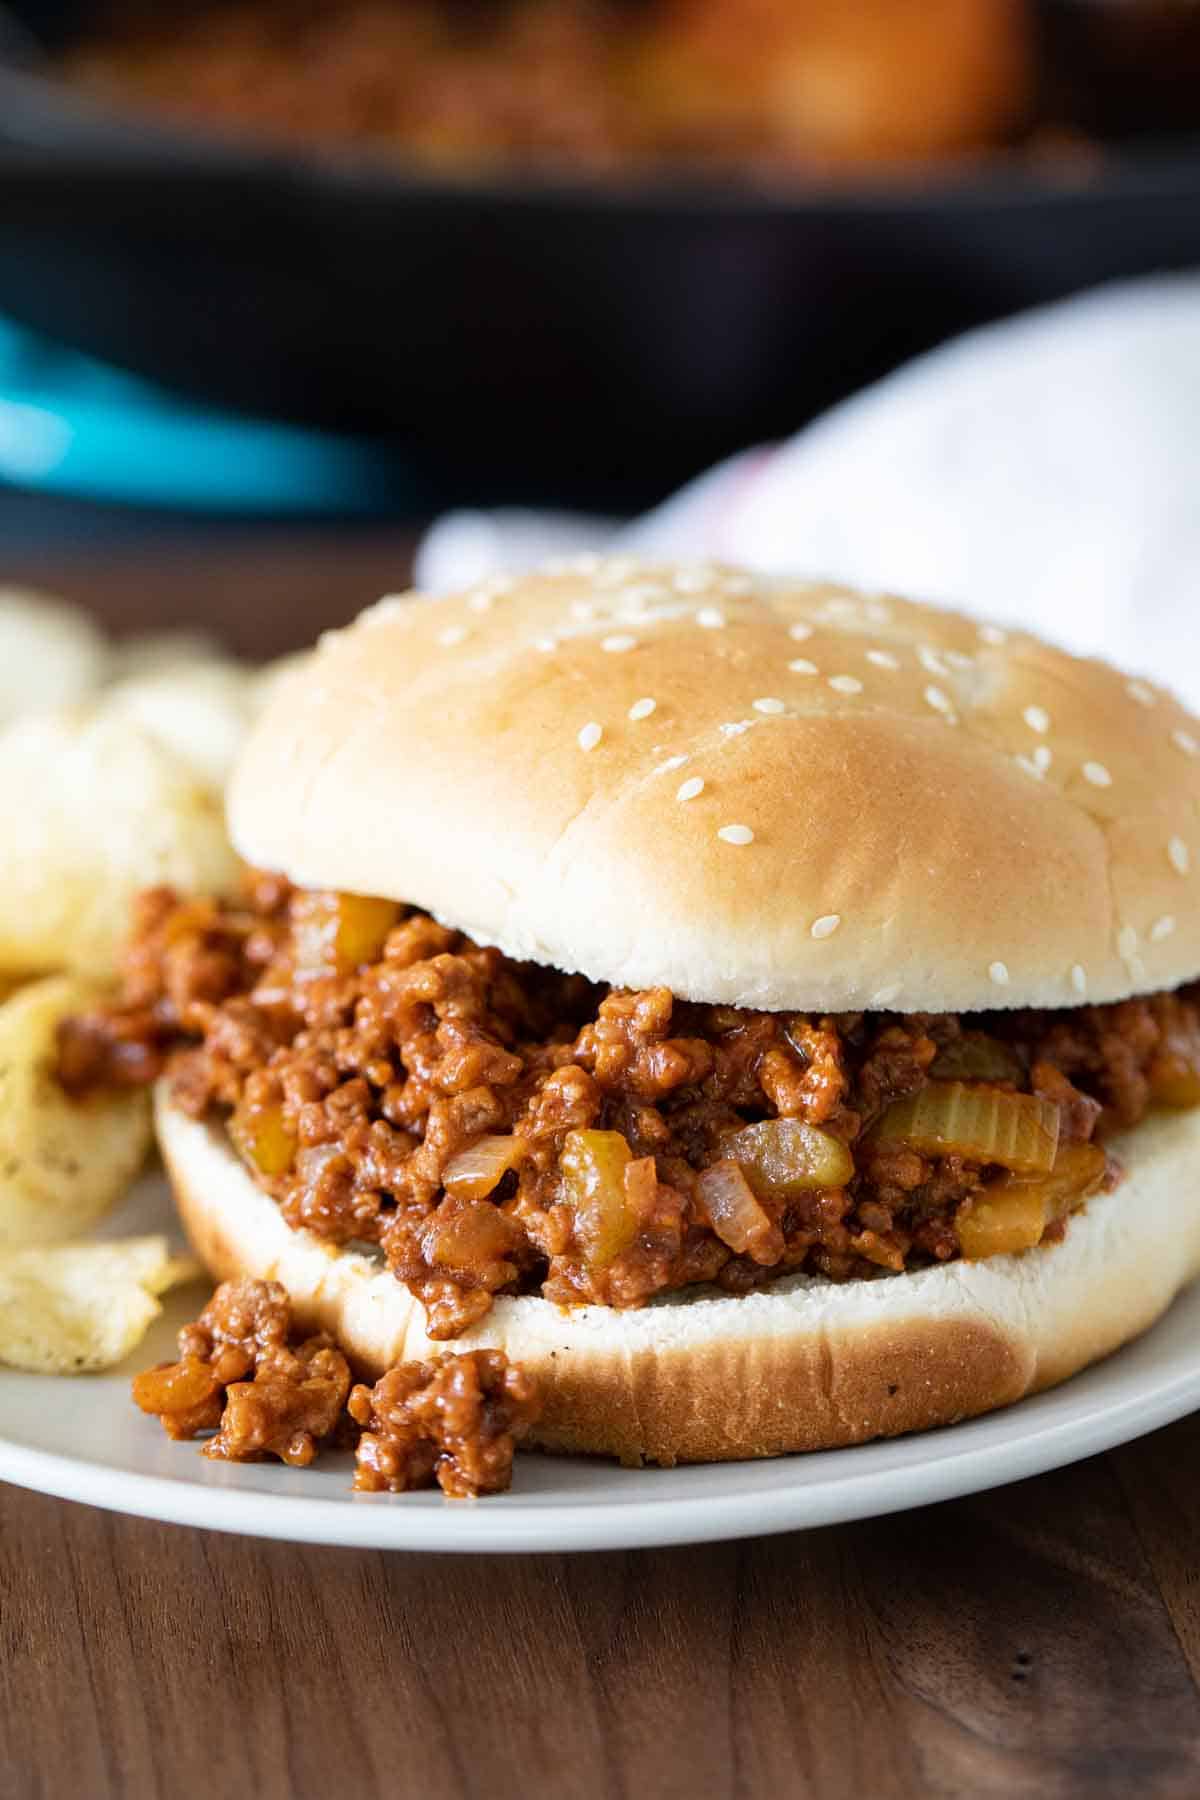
(805, 1364)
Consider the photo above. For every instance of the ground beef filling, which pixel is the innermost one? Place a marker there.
(497, 1127)
(242, 1374)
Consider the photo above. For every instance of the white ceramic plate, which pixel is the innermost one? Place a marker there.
(82, 1439)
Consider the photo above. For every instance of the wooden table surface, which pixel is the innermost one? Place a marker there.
(1041, 1640)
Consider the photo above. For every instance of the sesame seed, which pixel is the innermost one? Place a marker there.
(451, 635)
(846, 684)
(958, 659)
(1127, 943)
(672, 762)
(690, 789)
(885, 995)
(641, 709)
(694, 581)
(998, 972)
(735, 727)
(877, 612)
(545, 645)
(1179, 856)
(800, 632)
(1079, 978)
(800, 665)
(1097, 774)
(883, 659)
(825, 926)
(1140, 691)
(931, 661)
(992, 634)
(1183, 740)
(736, 834)
(768, 705)
(1043, 756)
(1037, 718)
(590, 735)
(1029, 767)
(1162, 928)
(620, 640)
(939, 701)
(481, 600)
(840, 606)
(711, 618)
(583, 609)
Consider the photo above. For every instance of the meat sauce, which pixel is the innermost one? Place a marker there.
(498, 1128)
(242, 1373)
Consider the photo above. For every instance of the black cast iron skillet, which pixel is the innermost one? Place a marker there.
(567, 338)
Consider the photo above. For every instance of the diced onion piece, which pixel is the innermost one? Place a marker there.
(976, 1057)
(593, 1165)
(956, 1118)
(736, 1216)
(336, 933)
(641, 1187)
(474, 1172)
(1174, 1081)
(176, 1387)
(1013, 1213)
(468, 1236)
(1078, 1171)
(1000, 1224)
(263, 1139)
(784, 1157)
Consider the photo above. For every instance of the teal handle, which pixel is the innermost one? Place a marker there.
(71, 425)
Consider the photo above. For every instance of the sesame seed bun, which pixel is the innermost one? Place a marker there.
(767, 793)
(804, 1364)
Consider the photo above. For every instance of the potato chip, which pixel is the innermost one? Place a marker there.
(201, 711)
(160, 652)
(50, 653)
(81, 1307)
(92, 808)
(63, 1162)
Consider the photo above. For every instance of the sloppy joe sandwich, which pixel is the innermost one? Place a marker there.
(759, 1010)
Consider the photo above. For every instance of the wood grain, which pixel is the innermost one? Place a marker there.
(1041, 1640)
(1018, 1643)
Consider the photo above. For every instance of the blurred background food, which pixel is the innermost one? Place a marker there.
(810, 85)
(428, 231)
(591, 84)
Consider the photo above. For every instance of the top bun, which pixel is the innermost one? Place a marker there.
(767, 793)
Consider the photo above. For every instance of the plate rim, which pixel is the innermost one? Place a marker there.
(384, 1522)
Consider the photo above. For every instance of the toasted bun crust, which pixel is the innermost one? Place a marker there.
(943, 817)
(803, 1365)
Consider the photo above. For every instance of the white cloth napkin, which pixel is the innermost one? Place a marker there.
(1043, 472)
